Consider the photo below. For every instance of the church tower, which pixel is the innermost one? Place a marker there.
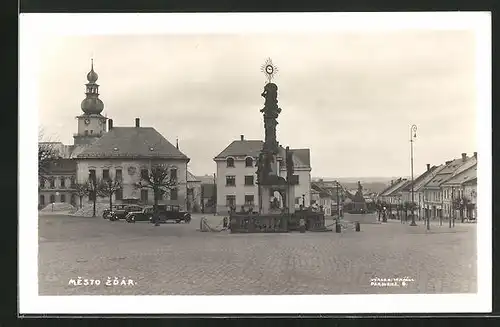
(91, 124)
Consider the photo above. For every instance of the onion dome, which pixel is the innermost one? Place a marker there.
(92, 104)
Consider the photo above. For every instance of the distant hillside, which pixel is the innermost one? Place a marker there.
(371, 184)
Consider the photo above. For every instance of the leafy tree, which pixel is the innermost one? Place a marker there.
(108, 187)
(161, 180)
(81, 190)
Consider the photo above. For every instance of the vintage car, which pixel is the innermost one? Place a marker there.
(120, 211)
(165, 213)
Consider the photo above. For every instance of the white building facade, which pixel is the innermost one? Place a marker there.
(236, 177)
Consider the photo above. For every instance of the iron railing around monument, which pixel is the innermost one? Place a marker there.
(252, 223)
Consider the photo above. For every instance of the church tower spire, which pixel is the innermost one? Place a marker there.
(91, 124)
(92, 104)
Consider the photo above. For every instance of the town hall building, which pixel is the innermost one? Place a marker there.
(103, 151)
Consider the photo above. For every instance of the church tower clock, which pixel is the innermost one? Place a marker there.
(91, 124)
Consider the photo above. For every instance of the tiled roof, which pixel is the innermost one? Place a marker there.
(252, 148)
(395, 187)
(399, 186)
(132, 142)
(407, 188)
(242, 148)
(448, 171)
(419, 185)
(321, 190)
(463, 176)
(192, 178)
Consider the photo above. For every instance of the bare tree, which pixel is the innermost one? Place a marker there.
(47, 154)
(108, 187)
(81, 190)
(93, 191)
(161, 180)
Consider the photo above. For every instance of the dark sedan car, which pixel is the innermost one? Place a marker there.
(122, 210)
(165, 213)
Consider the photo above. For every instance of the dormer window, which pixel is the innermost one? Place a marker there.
(249, 162)
(230, 162)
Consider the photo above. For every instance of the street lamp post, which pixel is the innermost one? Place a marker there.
(452, 205)
(413, 134)
(304, 200)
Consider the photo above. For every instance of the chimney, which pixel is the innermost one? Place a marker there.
(110, 124)
(475, 155)
(448, 162)
(137, 122)
(464, 156)
(428, 167)
(242, 137)
(392, 182)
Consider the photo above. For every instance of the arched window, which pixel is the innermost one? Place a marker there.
(249, 162)
(52, 198)
(230, 162)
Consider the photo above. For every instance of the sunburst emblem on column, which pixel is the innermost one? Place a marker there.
(269, 69)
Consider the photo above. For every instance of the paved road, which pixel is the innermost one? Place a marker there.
(176, 259)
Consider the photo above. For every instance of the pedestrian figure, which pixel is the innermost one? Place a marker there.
(242, 210)
(302, 225)
(225, 222)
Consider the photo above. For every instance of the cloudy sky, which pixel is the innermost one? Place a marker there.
(350, 97)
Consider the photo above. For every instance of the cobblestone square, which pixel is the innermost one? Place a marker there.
(177, 259)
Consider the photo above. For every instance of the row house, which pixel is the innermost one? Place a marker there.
(460, 195)
(433, 191)
(393, 194)
(322, 197)
(57, 185)
(237, 174)
(418, 188)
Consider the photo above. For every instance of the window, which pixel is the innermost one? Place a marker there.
(144, 196)
(105, 174)
(249, 200)
(173, 174)
(297, 200)
(118, 175)
(52, 182)
(119, 194)
(173, 194)
(63, 183)
(249, 180)
(249, 162)
(144, 174)
(296, 178)
(92, 175)
(52, 198)
(73, 182)
(230, 200)
(91, 131)
(230, 181)
(63, 198)
(230, 162)
(41, 182)
(42, 200)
